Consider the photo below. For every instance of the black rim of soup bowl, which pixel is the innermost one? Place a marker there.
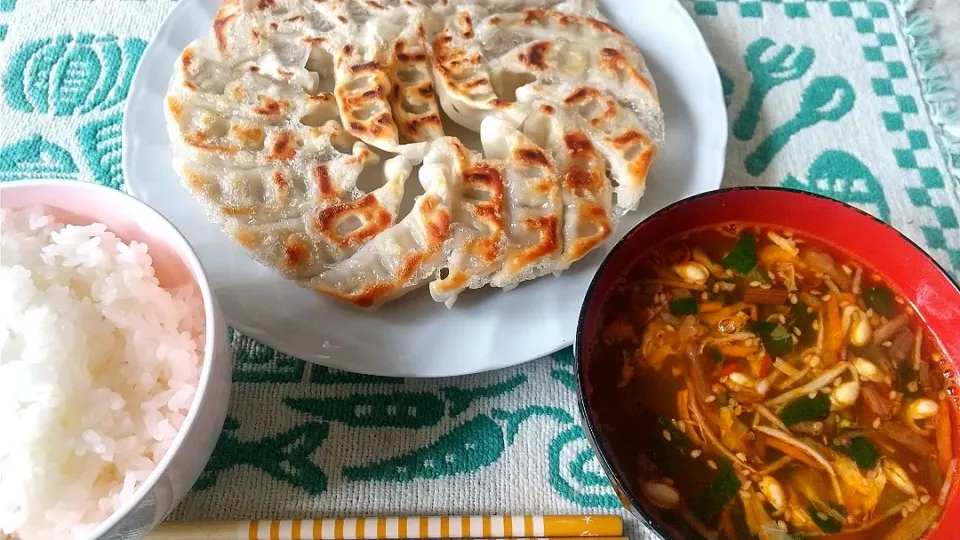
(631, 499)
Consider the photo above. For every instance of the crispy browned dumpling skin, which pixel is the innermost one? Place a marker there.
(287, 106)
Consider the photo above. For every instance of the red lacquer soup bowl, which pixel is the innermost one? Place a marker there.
(910, 272)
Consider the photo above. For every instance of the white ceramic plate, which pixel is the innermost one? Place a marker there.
(414, 336)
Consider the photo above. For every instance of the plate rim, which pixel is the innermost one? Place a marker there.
(716, 162)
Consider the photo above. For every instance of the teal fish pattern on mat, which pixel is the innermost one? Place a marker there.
(286, 456)
(100, 143)
(255, 362)
(396, 409)
(467, 448)
(36, 157)
(840, 175)
(69, 75)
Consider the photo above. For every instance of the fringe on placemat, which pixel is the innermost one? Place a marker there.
(918, 27)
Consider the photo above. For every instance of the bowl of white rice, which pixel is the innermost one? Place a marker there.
(114, 363)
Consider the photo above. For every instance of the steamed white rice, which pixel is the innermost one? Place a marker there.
(98, 367)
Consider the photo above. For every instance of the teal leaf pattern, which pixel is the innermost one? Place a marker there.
(36, 157)
(70, 75)
(100, 143)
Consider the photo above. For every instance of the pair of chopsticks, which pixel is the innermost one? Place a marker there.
(385, 528)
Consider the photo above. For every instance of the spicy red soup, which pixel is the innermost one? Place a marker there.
(772, 388)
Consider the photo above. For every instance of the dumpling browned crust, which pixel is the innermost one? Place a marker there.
(279, 116)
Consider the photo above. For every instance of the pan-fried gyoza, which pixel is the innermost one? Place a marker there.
(276, 118)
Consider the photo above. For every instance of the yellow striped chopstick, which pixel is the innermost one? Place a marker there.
(384, 528)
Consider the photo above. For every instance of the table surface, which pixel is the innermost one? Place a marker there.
(507, 441)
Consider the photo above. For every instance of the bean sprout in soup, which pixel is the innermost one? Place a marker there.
(770, 387)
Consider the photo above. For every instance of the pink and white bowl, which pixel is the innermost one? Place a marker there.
(176, 263)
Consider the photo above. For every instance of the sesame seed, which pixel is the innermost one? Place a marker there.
(666, 435)
(893, 394)
(816, 292)
(696, 453)
(913, 468)
(710, 399)
(797, 331)
(887, 344)
(904, 512)
(822, 516)
(899, 300)
(729, 272)
(704, 295)
(771, 276)
(747, 484)
(812, 395)
(912, 386)
(741, 456)
(745, 494)
(826, 298)
(793, 299)
(754, 283)
(712, 464)
(925, 499)
(847, 270)
(815, 325)
(766, 286)
(782, 524)
(876, 423)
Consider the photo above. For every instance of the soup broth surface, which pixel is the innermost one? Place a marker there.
(768, 386)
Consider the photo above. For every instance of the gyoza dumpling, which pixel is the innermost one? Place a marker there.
(362, 87)
(464, 81)
(412, 96)
(588, 216)
(405, 255)
(552, 46)
(478, 242)
(271, 116)
(615, 130)
(534, 210)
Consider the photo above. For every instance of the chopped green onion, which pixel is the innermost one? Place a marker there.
(827, 523)
(678, 439)
(880, 299)
(862, 452)
(743, 257)
(684, 306)
(799, 318)
(715, 354)
(718, 493)
(776, 338)
(806, 409)
(905, 375)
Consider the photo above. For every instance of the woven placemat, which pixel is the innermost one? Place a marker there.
(857, 114)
